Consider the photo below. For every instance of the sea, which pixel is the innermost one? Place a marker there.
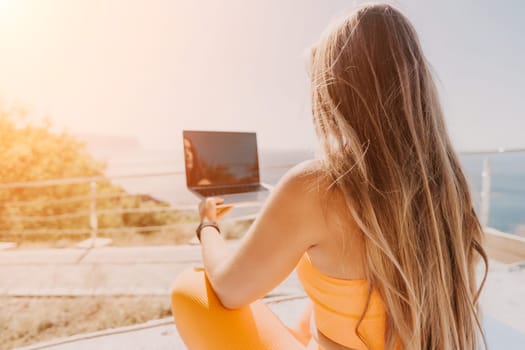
(164, 177)
(507, 195)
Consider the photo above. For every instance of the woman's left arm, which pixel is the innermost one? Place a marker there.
(273, 245)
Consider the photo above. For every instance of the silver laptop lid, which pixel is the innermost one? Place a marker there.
(220, 158)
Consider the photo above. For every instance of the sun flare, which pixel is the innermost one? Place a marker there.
(12, 15)
(6, 5)
(8, 9)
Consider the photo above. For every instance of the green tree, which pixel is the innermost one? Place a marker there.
(31, 152)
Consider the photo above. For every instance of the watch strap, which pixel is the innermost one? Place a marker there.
(206, 224)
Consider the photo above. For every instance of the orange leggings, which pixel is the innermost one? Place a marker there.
(203, 323)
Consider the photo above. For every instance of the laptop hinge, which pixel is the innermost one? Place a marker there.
(226, 186)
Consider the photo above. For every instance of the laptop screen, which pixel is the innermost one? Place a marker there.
(218, 158)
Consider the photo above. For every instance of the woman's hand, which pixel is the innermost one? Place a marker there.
(209, 210)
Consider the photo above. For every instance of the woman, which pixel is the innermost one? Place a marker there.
(381, 228)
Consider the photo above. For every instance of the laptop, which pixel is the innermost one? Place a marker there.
(224, 164)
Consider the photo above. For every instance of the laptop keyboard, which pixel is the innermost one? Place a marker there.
(208, 192)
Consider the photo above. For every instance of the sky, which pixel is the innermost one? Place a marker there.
(148, 69)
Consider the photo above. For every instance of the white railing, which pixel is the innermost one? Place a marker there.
(485, 192)
(94, 213)
(486, 178)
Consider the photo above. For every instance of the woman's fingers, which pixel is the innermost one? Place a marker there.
(207, 208)
(223, 210)
(213, 209)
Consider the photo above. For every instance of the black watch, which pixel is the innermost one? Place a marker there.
(205, 224)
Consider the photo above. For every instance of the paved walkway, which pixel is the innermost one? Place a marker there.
(101, 271)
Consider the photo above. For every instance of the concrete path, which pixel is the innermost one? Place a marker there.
(101, 271)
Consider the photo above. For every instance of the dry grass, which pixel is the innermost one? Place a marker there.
(25, 320)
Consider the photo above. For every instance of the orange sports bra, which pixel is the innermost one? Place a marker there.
(338, 305)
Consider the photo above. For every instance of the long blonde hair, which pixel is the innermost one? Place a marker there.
(385, 146)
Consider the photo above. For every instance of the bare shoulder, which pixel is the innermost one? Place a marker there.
(307, 185)
(338, 250)
(310, 180)
(306, 176)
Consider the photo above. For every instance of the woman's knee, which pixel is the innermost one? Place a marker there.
(188, 292)
(197, 311)
(193, 298)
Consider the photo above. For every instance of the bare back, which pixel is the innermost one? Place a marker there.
(340, 249)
